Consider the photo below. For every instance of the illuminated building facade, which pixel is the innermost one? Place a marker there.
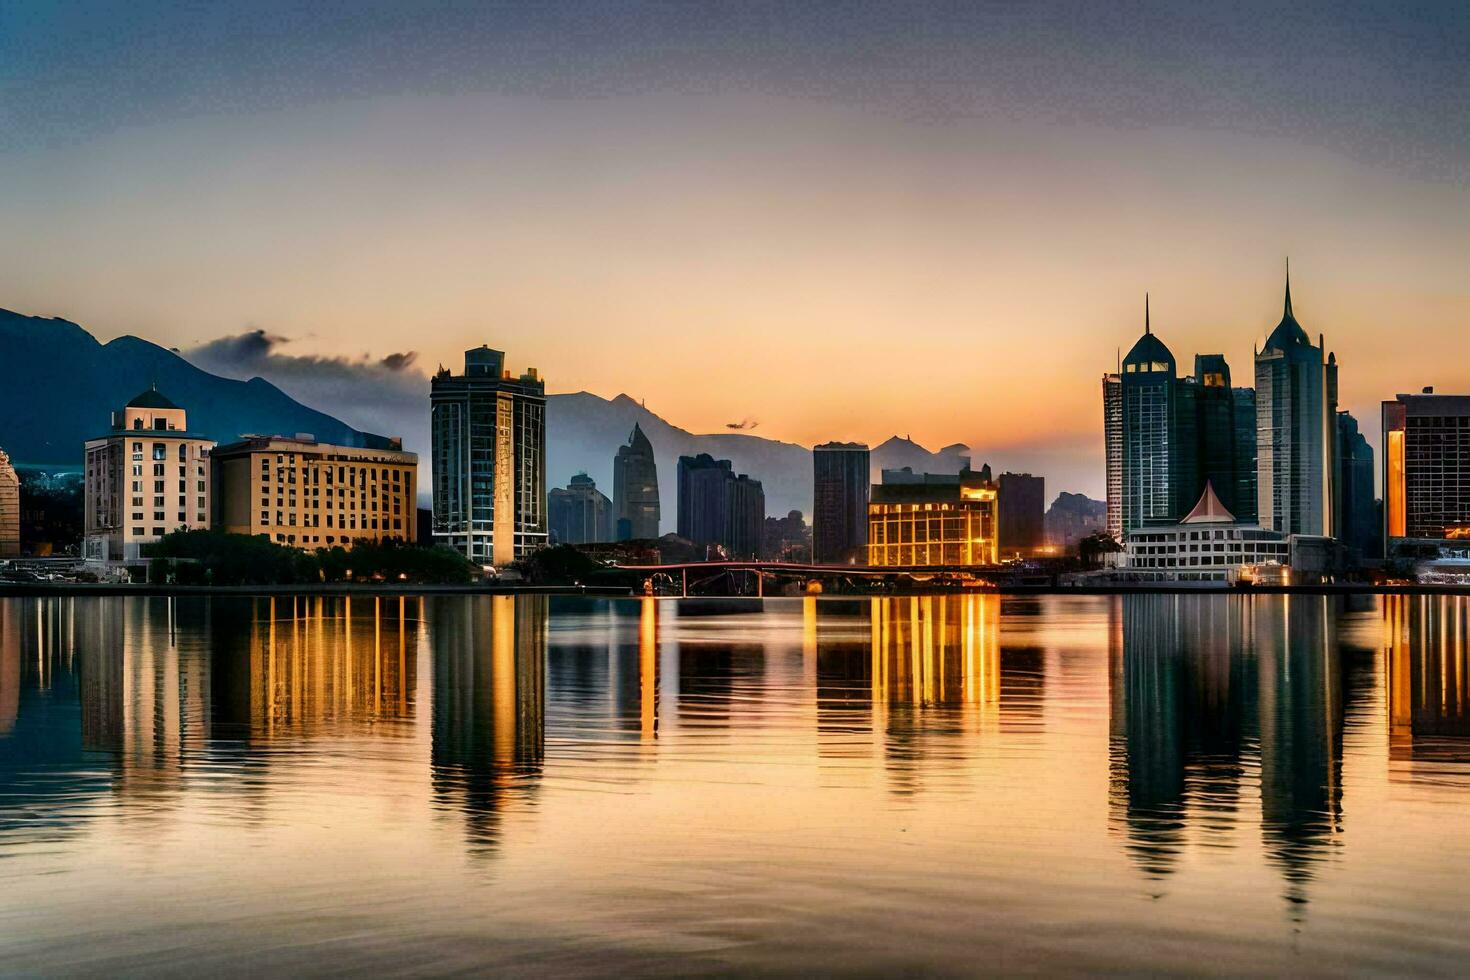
(149, 476)
(1426, 466)
(635, 489)
(579, 513)
(1296, 431)
(9, 508)
(933, 519)
(306, 494)
(840, 482)
(489, 455)
(1022, 514)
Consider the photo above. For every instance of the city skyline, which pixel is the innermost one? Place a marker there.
(618, 185)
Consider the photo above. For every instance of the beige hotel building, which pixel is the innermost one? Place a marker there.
(306, 494)
(149, 476)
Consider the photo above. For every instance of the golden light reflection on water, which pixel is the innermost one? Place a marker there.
(1055, 755)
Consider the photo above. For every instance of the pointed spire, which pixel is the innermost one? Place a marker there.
(1287, 314)
(1146, 327)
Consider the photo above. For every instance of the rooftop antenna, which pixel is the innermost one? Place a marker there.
(1146, 328)
(1287, 311)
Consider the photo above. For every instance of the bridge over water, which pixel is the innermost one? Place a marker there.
(752, 577)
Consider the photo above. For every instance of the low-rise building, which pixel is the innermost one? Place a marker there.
(1210, 545)
(932, 519)
(147, 477)
(306, 494)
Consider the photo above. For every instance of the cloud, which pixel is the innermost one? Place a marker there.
(399, 362)
(746, 423)
(387, 394)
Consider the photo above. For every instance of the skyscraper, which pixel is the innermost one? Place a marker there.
(489, 452)
(1022, 513)
(1357, 519)
(1296, 430)
(840, 482)
(579, 513)
(747, 518)
(149, 476)
(716, 507)
(1160, 435)
(1245, 454)
(1227, 435)
(1426, 466)
(1112, 388)
(635, 488)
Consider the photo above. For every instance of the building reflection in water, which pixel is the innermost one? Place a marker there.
(922, 672)
(489, 722)
(52, 778)
(1206, 691)
(162, 687)
(1428, 678)
(317, 664)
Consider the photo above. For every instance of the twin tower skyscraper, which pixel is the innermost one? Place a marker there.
(1269, 452)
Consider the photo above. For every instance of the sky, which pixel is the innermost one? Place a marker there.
(823, 221)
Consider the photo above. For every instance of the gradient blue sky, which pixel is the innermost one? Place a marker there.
(842, 220)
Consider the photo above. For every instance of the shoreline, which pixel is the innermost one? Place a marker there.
(26, 589)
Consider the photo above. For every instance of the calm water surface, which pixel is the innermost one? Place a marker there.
(948, 785)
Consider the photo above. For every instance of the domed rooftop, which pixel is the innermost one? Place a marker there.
(152, 398)
(1288, 332)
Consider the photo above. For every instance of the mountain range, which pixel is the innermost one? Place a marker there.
(58, 386)
(584, 432)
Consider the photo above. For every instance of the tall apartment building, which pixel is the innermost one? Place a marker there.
(933, 519)
(9, 508)
(636, 510)
(1112, 388)
(306, 494)
(717, 507)
(1426, 466)
(579, 513)
(147, 477)
(1022, 514)
(489, 456)
(840, 484)
(1296, 431)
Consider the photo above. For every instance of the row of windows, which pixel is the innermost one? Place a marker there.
(159, 532)
(1235, 548)
(159, 515)
(1229, 560)
(345, 522)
